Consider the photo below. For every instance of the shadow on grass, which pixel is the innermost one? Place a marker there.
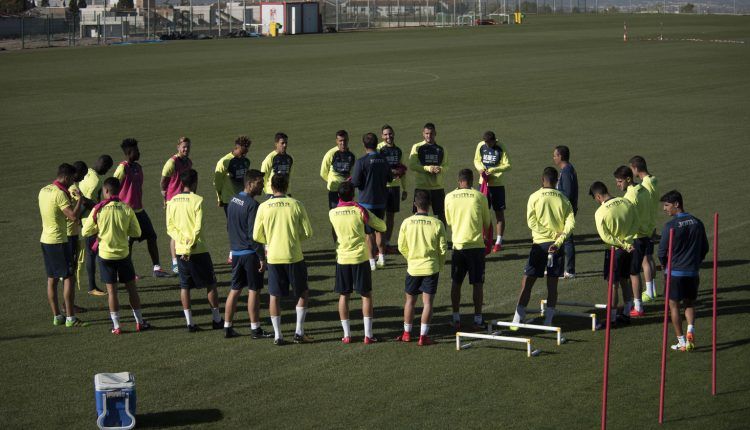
(724, 263)
(712, 414)
(721, 346)
(179, 418)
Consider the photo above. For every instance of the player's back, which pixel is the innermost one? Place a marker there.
(550, 209)
(51, 201)
(115, 223)
(467, 213)
(422, 242)
(349, 225)
(639, 196)
(282, 224)
(185, 223)
(619, 217)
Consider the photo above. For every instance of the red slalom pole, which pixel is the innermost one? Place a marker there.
(666, 329)
(716, 287)
(605, 383)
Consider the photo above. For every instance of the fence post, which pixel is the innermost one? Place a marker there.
(23, 36)
(49, 31)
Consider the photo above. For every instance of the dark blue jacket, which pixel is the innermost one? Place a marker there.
(689, 247)
(568, 185)
(371, 176)
(241, 212)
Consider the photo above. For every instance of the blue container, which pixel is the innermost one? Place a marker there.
(115, 400)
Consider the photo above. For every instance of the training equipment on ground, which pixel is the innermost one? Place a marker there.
(461, 334)
(608, 323)
(115, 400)
(558, 312)
(557, 330)
(665, 330)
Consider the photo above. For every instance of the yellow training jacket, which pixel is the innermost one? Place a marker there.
(115, 223)
(616, 222)
(349, 226)
(421, 240)
(421, 157)
(641, 200)
(185, 222)
(467, 213)
(549, 215)
(494, 160)
(282, 224)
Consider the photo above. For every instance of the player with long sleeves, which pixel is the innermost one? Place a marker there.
(492, 162)
(549, 216)
(429, 161)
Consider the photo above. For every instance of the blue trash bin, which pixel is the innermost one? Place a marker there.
(115, 400)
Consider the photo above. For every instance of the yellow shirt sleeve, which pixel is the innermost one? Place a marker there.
(442, 245)
(307, 230)
(89, 227)
(376, 223)
(504, 165)
(403, 246)
(119, 172)
(259, 234)
(325, 165)
(570, 223)
(168, 169)
(220, 172)
(414, 163)
(478, 158)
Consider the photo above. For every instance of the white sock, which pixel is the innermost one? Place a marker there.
(549, 313)
(381, 258)
(499, 240)
(215, 314)
(157, 267)
(115, 319)
(520, 314)
(456, 317)
(230, 255)
(368, 326)
(478, 319)
(372, 263)
(424, 329)
(628, 307)
(691, 328)
(188, 316)
(650, 289)
(301, 312)
(174, 261)
(345, 326)
(276, 323)
(638, 305)
(407, 328)
(137, 315)
(681, 340)
(71, 319)
(254, 326)
(227, 324)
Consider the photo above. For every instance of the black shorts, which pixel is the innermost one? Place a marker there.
(353, 277)
(421, 284)
(683, 287)
(58, 261)
(496, 198)
(197, 272)
(281, 275)
(147, 229)
(333, 199)
(469, 260)
(640, 247)
(538, 257)
(380, 213)
(622, 265)
(437, 201)
(245, 272)
(393, 199)
(650, 248)
(114, 271)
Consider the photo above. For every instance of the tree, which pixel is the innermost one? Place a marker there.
(688, 8)
(45, 3)
(125, 4)
(13, 6)
(82, 4)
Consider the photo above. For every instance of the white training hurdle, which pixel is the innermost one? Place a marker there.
(543, 306)
(460, 334)
(557, 330)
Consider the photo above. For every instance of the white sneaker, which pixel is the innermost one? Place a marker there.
(380, 263)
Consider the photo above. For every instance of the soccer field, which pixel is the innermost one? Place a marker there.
(683, 105)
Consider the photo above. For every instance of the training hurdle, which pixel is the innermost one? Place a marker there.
(592, 316)
(557, 330)
(461, 334)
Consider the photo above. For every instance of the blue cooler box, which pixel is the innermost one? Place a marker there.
(115, 400)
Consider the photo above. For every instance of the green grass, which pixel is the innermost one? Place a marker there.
(555, 80)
